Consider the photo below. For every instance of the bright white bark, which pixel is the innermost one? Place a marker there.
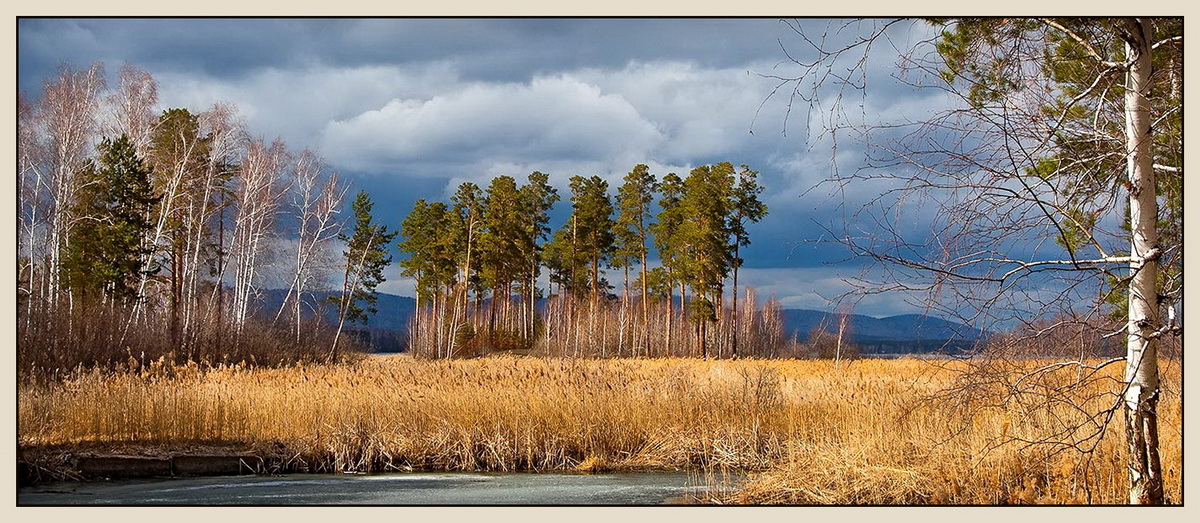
(174, 181)
(316, 204)
(31, 188)
(68, 110)
(1141, 372)
(258, 197)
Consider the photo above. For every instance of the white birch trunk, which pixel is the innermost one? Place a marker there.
(1141, 371)
(258, 197)
(68, 109)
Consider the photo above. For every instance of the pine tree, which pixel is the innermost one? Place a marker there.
(179, 154)
(536, 199)
(432, 260)
(745, 207)
(467, 215)
(106, 253)
(704, 235)
(632, 230)
(467, 224)
(366, 256)
(592, 210)
(562, 258)
(668, 243)
(421, 230)
(501, 247)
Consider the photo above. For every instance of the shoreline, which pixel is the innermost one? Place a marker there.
(87, 462)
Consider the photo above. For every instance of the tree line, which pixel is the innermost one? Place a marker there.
(148, 233)
(145, 233)
(476, 262)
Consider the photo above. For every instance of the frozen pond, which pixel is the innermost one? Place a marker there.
(417, 488)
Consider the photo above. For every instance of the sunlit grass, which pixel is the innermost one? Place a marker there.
(808, 431)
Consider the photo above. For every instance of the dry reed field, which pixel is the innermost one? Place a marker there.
(807, 432)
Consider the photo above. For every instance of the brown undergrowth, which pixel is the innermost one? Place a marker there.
(808, 432)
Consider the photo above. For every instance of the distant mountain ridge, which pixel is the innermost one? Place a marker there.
(892, 334)
(865, 328)
(388, 328)
(394, 311)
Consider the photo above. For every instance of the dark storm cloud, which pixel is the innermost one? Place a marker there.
(517, 49)
(483, 49)
(218, 48)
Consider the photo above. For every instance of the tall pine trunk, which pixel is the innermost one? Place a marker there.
(670, 313)
(736, 323)
(645, 339)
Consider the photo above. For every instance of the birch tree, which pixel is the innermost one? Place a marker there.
(133, 108)
(227, 141)
(317, 197)
(179, 154)
(68, 116)
(258, 196)
(1046, 172)
(31, 191)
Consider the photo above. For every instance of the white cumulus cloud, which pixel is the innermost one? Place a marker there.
(549, 118)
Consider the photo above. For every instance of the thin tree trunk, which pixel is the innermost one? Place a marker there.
(1141, 371)
(418, 327)
(343, 307)
(736, 323)
(645, 340)
(670, 313)
(624, 312)
(683, 321)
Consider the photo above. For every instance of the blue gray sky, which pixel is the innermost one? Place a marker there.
(410, 108)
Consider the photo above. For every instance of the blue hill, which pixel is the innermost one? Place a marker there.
(901, 333)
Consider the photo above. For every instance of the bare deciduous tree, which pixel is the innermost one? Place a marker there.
(67, 112)
(258, 196)
(133, 108)
(316, 201)
(204, 236)
(31, 189)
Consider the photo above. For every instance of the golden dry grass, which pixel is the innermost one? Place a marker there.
(809, 431)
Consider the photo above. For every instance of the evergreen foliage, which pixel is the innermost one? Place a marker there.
(633, 203)
(106, 252)
(431, 257)
(366, 257)
(666, 231)
(494, 244)
(502, 238)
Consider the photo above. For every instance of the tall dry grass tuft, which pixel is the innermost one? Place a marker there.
(810, 431)
(610, 326)
(111, 336)
(1032, 449)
